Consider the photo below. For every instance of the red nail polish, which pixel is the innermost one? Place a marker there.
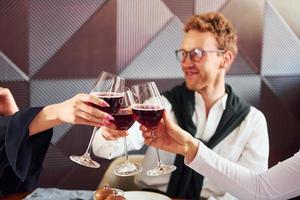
(104, 104)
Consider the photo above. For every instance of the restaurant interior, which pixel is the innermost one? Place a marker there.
(51, 50)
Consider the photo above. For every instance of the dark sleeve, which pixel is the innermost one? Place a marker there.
(24, 155)
(3, 157)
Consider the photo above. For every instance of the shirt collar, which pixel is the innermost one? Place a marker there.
(224, 100)
(221, 102)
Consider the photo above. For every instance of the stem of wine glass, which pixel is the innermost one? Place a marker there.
(158, 157)
(156, 149)
(126, 150)
(89, 147)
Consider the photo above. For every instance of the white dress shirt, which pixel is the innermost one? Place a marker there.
(247, 145)
(282, 181)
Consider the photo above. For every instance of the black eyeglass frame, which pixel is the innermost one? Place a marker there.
(188, 53)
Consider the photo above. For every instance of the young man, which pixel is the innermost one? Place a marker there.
(205, 107)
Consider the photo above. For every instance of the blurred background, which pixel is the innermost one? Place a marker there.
(52, 49)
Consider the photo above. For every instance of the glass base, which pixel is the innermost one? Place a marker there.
(161, 169)
(85, 160)
(128, 169)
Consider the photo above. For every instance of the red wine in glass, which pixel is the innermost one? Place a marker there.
(148, 111)
(123, 120)
(147, 114)
(113, 99)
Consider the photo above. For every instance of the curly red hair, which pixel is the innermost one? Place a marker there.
(216, 24)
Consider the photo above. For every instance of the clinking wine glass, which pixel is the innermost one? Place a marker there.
(110, 88)
(123, 121)
(148, 111)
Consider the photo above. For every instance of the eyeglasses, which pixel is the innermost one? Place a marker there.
(195, 55)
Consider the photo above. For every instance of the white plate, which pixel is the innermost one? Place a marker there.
(143, 195)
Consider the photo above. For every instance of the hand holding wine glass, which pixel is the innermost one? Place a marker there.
(78, 110)
(109, 88)
(172, 138)
(148, 111)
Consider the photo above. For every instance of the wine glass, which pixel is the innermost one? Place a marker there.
(123, 121)
(110, 88)
(148, 111)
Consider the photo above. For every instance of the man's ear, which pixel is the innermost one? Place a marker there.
(227, 60)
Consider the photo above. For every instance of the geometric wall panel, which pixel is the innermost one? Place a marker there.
(52, 23)
(58, 156)
(8, 11)
(6, 6)
(247, 87)
(59, 132)
(283, 127)
(287, 89)
(45, 92)
(89, 51)
(9, 71)
(249, 28)
(13, 32)
(19, 90)
(61, 172)
(157, 60)
(290, 11)
(203, 6)
(241, 66)
(137, 22)
(182, 9)
(281, 47)
(283, 85)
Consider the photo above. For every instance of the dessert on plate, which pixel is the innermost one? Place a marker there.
(107, 193)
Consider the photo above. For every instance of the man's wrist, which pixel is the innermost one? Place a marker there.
(192, 149)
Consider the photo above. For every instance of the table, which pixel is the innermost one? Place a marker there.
(23, 195)
(20, 196)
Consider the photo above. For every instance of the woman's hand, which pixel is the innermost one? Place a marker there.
(77, 110)
(80, 110)
(8, 105)
(170, 137)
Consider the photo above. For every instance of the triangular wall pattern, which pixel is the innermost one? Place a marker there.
(137, 22)
(52, 23)
(157, 60)
(9, 71)
(281, 47)
(203, 6)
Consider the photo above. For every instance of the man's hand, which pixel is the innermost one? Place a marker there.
(8, 105)
(170, 137)
(112, 134)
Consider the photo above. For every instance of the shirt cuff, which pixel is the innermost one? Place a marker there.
(199, 156)
(108, 149)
